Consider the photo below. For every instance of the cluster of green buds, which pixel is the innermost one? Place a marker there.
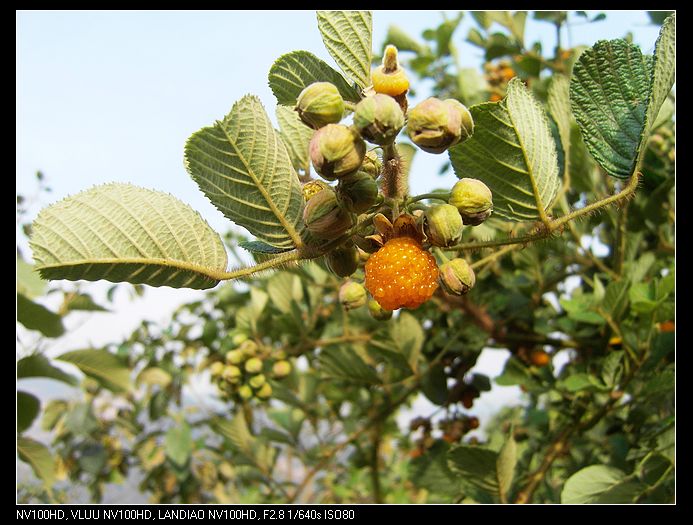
(243, 372)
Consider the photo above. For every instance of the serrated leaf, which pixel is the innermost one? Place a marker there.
(39, 457)
(476, 465)
(344, 363)
(612, 368)
(38, 365)
(37, 317)
(600, 484)
(610, 92)
(296, 136)
(348, 38)
(559, 108)
(513, 153)
(663, 67)
(178, 443)
(243, 167)
(120, 232)
(102, 366)
(28, 407)
(505, 465)
(29, 283)
(292, 73)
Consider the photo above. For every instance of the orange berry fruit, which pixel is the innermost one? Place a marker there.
(495, 97)
(667, 326)
(401, 274)
(539, 358)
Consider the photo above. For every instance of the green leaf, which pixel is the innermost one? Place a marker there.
(665, 113)
(516, 373)
(663, 68)
(472, 86)
(102, 366)
(80, 420)
(154, 376)
(643, 297)
(513, 152)
(92, 458)
(408, 336)
(612, 368)
(284, 288)
(431, 471)
(292, 73)
(236, 431)
(28, 407)
(296, 136)
(39, 457)
(38, 365)
(342, 362)
(658, 17)
(178, 443)
(615, 298)
(37, 317)
(559, 108)
(120, 232)
(403, 41)
(505, 465)
(29, 283)
(610, 91)
(600, 484)
(83, 302)
(261, 247)
(347, 36)
(434, 385)
(476, 465)
(52, 412)
(242, 166)
(581, 381)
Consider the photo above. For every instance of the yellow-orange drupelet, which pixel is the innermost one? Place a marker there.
(401, 274)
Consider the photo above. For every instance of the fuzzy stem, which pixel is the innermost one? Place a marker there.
(394, 182)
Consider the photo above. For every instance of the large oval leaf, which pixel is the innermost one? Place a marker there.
(292, 72)
(513, 153)
(100, 365)
(348, 37)
(38, 365)
(243, 167)
(120, 232)
(600, 484)
(296, 136)
(39, 457)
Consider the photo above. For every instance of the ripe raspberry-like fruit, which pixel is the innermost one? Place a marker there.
(401, 274)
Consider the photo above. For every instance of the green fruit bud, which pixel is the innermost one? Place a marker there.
(473, 200)
(371, 164)
(281, 369)
(457, 277)
(234, 357)
(253, 365)
(320, 104)
(216, 368)
(257, 381)
(248, 347)
(352, 295)
(378, 312)
(245, 392)
(378, 119)
(343, 261)
(265, 392)
(434, 125)
(237, 339)
(325, 217)
(443, 225)
(357, 192)
(336, 150)
(231, 374)
(279, 354)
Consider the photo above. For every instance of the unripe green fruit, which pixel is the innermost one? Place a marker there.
(378, 119)
(443, 225)
(378, 312)
(435, 125)
(234, 357)
(352, 295)
(231, 374)
(320, 104)
(457, 277)
(257, 381)
(279, 354)
(343, 260)
(281, 369)
(336, 150)
(265, 391)
(248, 347)
(253, 365)
(237, 339)
(325, 217)
(357, 192)
(216, 368)
(245, 392)
(473, 200)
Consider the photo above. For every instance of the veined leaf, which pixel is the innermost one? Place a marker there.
(293, 72)
(600, 484)
(296, 136)
(476, 465)
(348, 38)
(120, 232)
(505, 465)
(663, 68)
(38, 365)
(242, 166)
(39, 457)
(37, 317)
(610, 91)
(559, 107)
(102, 366)
(513, 153)
(344, 363)
(28, 407)
(261, 247)
(236, 431)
